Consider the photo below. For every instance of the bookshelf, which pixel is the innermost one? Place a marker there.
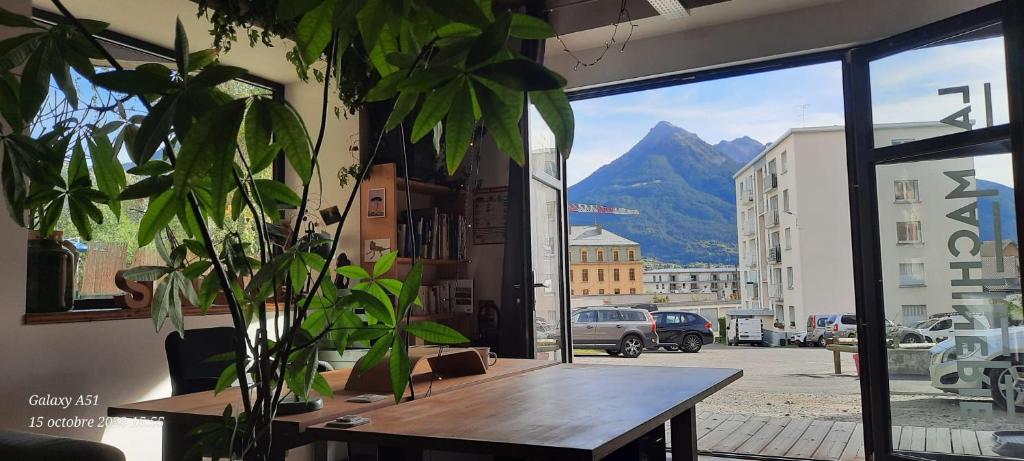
(442, 229)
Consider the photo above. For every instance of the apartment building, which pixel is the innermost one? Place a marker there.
(603, 263)
(793, 227)
(723, 281)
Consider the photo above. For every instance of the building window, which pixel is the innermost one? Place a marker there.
(586, 275)
(912, 274)
(906, 191)
(631, 255)
(632, 291)
(785, 200)
(615, 275)
(600, 275)
(789, 278)
(571, 275)
(600, 255)
(615, 255)
(914, 314)
(785, 168)
(600, 291)
(789, 239)
(792, 316)
(908, 232)
(617, 291)
(693, 286)
(632, 275)
(583, 255)
(586, 292)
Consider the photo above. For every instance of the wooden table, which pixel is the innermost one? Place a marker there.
(181, 413)
(564, 412)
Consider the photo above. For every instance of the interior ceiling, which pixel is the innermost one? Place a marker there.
(585, 24)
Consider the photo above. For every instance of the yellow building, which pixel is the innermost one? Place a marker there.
(603, 263)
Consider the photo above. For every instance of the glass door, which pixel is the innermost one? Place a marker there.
(934, 169)
(547, 238)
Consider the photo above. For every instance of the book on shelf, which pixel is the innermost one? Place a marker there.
(432, 234)
(445, 297)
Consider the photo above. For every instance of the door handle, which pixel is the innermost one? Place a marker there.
(618, 326)
(590, 327)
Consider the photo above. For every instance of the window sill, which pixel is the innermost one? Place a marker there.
(98, 315)
(913, 285)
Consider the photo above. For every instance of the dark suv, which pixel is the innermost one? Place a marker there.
(617, 330)
(683, 331)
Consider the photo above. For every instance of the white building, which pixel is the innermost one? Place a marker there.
(723, 281)
(793, 227)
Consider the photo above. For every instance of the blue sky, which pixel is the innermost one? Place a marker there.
(763, 106)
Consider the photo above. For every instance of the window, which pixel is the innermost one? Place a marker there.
(908, 232)
(617, 291)
(912, 274)
(583, 256)
(586, 292)
(792, 316)
(632, 274)
(609, 316)
(586, 276)
(600, 255)
(848, 320)
(631, 255)
(906, 191)
(914, 313)
(632, 291)
(615, 275)
(615, 255)
(586, 317)
(785, 168)
(785, 200)
(789, 239)
(944, 324)
(789, 278)
(693, 286)
(634, 315)
(600, 275)
(600, 291)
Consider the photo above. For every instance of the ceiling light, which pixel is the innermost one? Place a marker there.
(672, 9)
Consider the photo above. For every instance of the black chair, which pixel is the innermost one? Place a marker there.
(186, 358)
(24, 446)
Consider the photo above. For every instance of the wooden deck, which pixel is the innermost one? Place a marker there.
(825, 440)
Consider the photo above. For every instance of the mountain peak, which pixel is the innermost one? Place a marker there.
(741, 149)
(664, 127)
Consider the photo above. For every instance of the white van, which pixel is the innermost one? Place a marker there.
(745, 331)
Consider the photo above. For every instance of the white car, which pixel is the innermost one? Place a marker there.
(945, 375)
(940, 327)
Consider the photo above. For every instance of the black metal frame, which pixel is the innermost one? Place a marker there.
(862, 158)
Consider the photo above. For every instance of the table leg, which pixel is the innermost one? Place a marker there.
(684, 436)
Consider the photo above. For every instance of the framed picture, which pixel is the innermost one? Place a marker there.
(375, 248)
(489, 207)
(376, 203)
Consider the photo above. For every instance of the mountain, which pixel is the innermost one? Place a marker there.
(683, 188)
(742, 150)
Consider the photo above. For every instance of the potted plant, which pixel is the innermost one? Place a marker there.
(445, 65)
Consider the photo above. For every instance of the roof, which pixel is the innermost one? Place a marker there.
(676, 270)
(819, 129)
(596, 236)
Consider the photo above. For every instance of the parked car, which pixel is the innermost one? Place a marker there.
(818, 331)
(649, 307)
(683, 331)
(745, 331)
(617, 330)
(899, 334)
(939, 327)
(799, 338)
(945, 374)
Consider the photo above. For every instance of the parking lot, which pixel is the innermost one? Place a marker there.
(800, 382)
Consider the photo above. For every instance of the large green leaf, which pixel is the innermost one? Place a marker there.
(491, 41)
(295, 8)
(354, 272)
(216, 74)
(78, 171)
(322, 387)
(428, 79)
(62, 75)
(14, 51)
(385, 88)
(291, 136)
(181, 52)
(110, 177)
(529, 27)
(373, 306)
(208, 291)
(375, 354)
(35, 82)
(151, 168)
(210, 144)
(434, 108)
(258, 129)
(371, 20)
(147, 187)
(403, 105)
(80, 218)
(522, 75)
(314, 31)
(410, 288)
(145, 273)
(159, 213)
(179, 286)
(161, 298)
(460, 11)
(270, 189)
(200, 59)
(227, 377)
(11, 19)
(501, 112)
(554, 108)
(458, 133)
(433, 332)
(399, 368)
(133, 82)
(384, 263)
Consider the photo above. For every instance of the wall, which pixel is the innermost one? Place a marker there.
(830, 25)
(123, 361)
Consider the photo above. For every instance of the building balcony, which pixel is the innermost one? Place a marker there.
(771, 219)
(775, 291)
(774, 255)
(771, 181)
